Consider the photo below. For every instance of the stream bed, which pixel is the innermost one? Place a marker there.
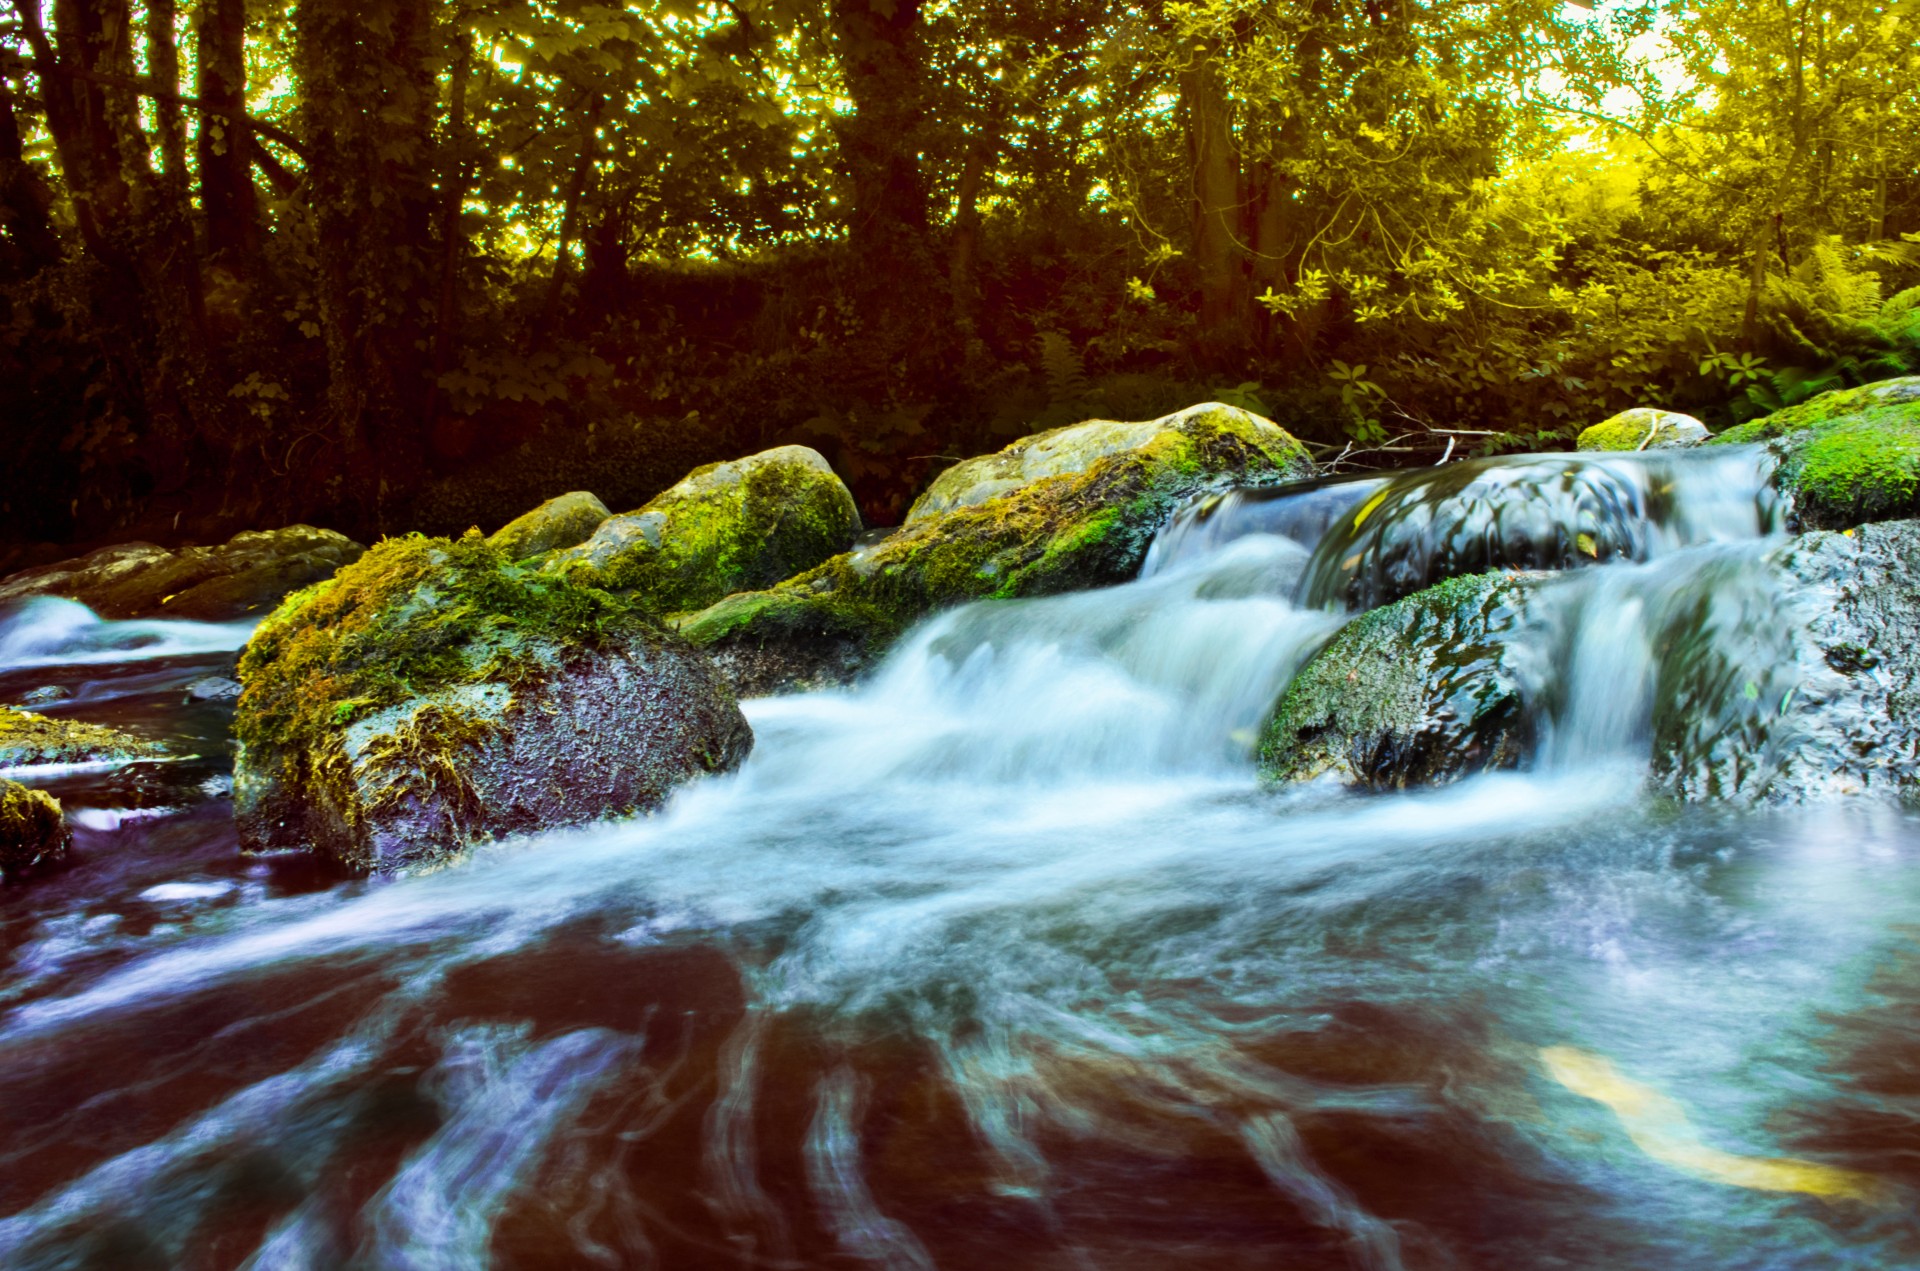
(1003, 958)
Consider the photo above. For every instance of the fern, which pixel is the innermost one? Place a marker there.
(1064, 371)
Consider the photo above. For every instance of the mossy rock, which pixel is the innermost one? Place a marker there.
(244, 577)
(566, 520)
(33, 833)
(1065, 532)
(1846, 458)
(728, 527)
(1418, 692)
(1644, 428)
(28, 740)
(437, 694)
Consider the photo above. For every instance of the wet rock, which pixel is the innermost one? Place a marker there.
(29, 740)
(212, 688)
(46, 695)
(1644, 428)
(1057, 452)
(33, 834)
(435, 695)
(1073, 529)
(243, 577)
(564, 521)
(727, 527)
(1846, 458)
(1418, 692)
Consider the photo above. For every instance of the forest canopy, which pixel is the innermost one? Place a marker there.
(399, 264)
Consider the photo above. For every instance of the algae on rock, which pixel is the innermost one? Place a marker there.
(727, 527)
(30, 740)
(437, 694)
(1643, 428)
(33, 833)
(1848, 457)
(1063, 532)
(565, 520)
(1417, 692)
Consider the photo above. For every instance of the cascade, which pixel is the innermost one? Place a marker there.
(1005, 957)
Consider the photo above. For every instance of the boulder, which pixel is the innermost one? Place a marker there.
(28, 740)
(1056, 452)
(1419, 692)
(1644, 428)
(727, 527)
(1073, 529)
(33, 834)
(244, 577)
(1848, 457)
(435, 694)
(566, 520)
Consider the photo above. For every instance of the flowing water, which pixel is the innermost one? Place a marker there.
(1005, 959)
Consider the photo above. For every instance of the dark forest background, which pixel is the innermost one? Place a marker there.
(417, 264)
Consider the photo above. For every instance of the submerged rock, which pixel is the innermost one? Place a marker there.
(1644, 428)
(727, 527)
(566, 520)
(1418, 692)
(1848, 457)
(45, 695)
(245, 576)
(33, 834)
(28, 740)
(1074, 529)
(435, 695)
(212, 688)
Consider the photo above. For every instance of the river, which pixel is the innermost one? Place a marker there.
(1005, 958)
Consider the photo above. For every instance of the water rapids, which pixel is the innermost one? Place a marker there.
(1005, 959)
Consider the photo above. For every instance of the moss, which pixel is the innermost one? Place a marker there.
(717, 533)
(32, 829)
(27, 738)
(1846, 458)
(405, 620)
(1410, 692)
(424, 757)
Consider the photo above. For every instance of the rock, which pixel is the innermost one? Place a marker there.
(435, 695)
(245, 576)
(1064, 532)
(1418, 692)
(727, 527)
(46, 695)
(1644, 428)
(1056, 452)
(566, 520)
(1846, 458)
(33, 834)
(28, 740)
(212, 688)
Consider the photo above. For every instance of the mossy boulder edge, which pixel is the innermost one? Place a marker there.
(1644, 428)
(436, 694)
(29, 740)
(1847, 458)
(1063, 532)
(728, 527)
(33, 833)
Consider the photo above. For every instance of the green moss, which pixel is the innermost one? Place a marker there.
(32, 829)
(1846, 458)
(27, 738)
(405, 620)
(1364, 703)
(715, 536)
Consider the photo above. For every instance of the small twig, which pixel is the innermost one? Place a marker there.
(1449, 451)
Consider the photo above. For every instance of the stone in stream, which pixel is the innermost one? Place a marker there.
(45, 695)
(1644, 428)
(1847, 457)
(435, 694)
(28, 740)
(1066, 510)
(33, 834)
(724, 528)
(566, 520)
(1790, 677)
(243, 577)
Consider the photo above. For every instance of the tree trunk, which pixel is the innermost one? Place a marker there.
(453, 194)
(25, 201)
(1218, 210)
(225, 144)
(369, 98)
(570, 216)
